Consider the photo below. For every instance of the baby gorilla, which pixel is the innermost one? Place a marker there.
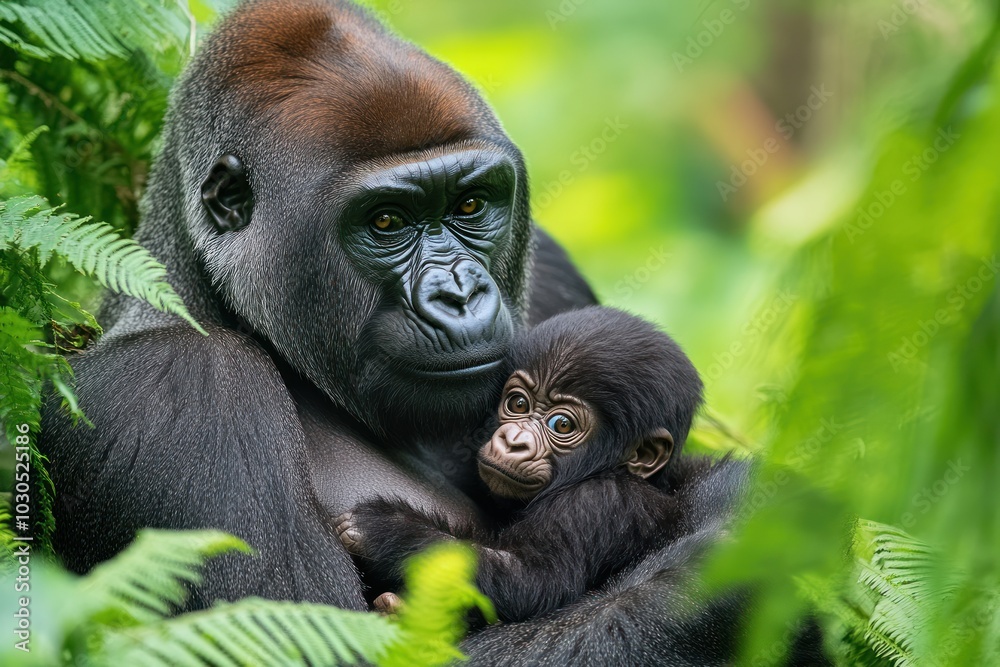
(598, 403)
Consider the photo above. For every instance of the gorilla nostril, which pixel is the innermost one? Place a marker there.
(476, 297)
(453, 301)
(513, 445)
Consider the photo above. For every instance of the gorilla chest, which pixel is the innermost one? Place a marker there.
(346, 471)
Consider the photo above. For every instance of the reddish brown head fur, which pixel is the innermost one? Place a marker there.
(326, 69)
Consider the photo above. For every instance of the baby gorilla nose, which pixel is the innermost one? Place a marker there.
(461, 300)
(513, 444)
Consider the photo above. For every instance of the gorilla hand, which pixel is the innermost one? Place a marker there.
(388, 604)
(349, 533)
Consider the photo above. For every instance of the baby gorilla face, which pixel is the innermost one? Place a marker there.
(537, 424)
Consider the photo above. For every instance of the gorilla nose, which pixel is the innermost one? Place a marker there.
(461, 300)
(512, 442)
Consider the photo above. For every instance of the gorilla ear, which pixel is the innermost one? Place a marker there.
(652, 453)
(226, 194)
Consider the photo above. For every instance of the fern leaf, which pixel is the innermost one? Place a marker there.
(899, 575)
(14, 41)
(22, 149)
(20, 381)
(257, 633)
(149, 579)
(440, 592)
(94, 248)
(23, 373)
(89, 29)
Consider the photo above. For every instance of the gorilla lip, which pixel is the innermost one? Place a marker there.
(456, 372)
(493, 468)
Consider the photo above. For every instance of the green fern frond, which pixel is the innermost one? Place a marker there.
(149, 579)
(16, 42)
(89, 29)
(23, 373)
(133, 594)
(256, 632)
(897, 573)
(25, 370)
(886, 614)
(440, 591)
(94, 248)
(7, 562)
(21, 150)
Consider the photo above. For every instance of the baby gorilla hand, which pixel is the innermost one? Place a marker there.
(349, 533)
(382, 533)
(388, 604)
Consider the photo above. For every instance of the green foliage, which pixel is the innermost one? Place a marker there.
(888, 600)
(96, 72)
(258, 633)
(121, 614)
(846, 332)
(93, 248)
(440, 591)
(87, 30)
(31, 233)
(884, 359)
(148, 580)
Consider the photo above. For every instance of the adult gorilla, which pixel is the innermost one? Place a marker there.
(349, 221)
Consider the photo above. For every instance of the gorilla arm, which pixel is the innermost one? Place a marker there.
(558, 548)
(194, 432)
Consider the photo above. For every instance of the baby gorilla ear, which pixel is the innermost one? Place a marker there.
(652, 453)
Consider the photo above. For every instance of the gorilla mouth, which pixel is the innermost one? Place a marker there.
(461, 372)
(485, 465)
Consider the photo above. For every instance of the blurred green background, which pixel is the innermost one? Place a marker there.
(803, 193)
(630, 114)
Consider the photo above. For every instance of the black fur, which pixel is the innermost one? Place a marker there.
(556, 289)
(595, 517)
(261, 429)
(282, 414)
(652, 614)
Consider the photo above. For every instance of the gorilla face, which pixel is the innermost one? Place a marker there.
(427, 231)
(361, 210)
(390, 289)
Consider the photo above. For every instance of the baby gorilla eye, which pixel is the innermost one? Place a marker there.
(561, 424)
(470, 206)
(388, 222)
(517, 403)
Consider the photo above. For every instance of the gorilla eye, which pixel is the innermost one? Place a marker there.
(561, 424)
(518, 404)
(387, 222)
(470, 206)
